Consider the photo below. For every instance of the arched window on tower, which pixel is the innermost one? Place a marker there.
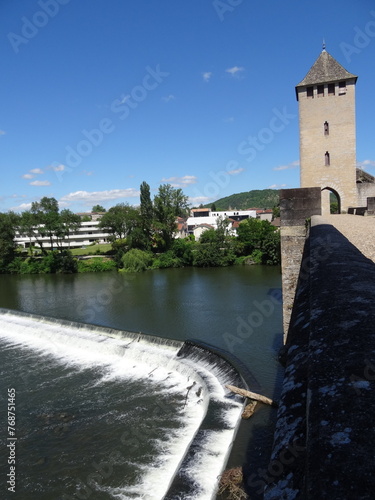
(327, 159)
(326, 128)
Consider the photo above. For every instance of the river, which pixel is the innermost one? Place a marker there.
(237, 310)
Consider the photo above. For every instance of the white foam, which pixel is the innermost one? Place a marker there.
(128, 359)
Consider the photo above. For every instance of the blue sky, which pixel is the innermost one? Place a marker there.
(100, 95)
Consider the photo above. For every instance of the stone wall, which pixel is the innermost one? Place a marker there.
(296, 207)
(364, 190)
(325, 436)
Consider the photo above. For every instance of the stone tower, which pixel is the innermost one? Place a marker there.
(326, 98)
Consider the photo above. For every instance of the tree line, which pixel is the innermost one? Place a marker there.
(141, 237)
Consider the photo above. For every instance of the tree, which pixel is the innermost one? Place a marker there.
(271, 253)
(70, 222)
(169, 204)
(251, 232)
(7, 234)
(98, 208)
(46, 217)
(27, 226)
(222, 231)
(45, 220)
(215, 248)
(180, 203)
(213, 207)
(120, 220)
(208, 236)
(147, 215)
(334, 207)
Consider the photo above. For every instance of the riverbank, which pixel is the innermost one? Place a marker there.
(182, 253)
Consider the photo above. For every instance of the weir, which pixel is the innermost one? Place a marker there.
(206, 374)
(325, 437)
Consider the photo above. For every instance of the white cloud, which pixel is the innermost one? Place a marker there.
(235, 70)
(235, 171)
(197, 200)
(23, 206)
(293, 164)
(206, 76)
(32, 173)
(276, 186)
(168, 98)
(40, 183)
(63, 204)
(99, 196)
(366, 163)
(58, 168)
(184, 181)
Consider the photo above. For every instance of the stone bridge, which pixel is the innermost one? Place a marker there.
(324, 446)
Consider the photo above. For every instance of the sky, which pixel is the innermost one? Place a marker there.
(97, 96)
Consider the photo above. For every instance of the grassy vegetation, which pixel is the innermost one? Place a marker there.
(99, 249)
(96, 265)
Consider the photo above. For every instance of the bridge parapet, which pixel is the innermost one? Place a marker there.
(325, 435)
(296, 206)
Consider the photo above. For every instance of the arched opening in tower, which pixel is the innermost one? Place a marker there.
(332, 201)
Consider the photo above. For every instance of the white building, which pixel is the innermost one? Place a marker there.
(203, 219)
(86, 234)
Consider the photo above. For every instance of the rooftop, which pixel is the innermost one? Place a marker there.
(325, 69)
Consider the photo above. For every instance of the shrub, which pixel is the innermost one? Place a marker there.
(67, 264)
(96, 265)
(53, 262)
(119, 248)
(15, 266)
(256, 256)
(136, 260)
(271, 249)
(210, 255)
(167, 259)
(183, 250)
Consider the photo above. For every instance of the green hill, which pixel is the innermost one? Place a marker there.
(257, 198)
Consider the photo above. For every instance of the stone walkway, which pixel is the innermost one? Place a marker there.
(360, 231)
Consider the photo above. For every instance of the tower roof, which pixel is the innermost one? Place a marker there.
(325, 69)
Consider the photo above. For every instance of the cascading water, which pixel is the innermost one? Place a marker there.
(104, 414)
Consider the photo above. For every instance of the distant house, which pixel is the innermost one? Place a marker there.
(266, 214)
(205, 217)
(182, 229)
(200, 229)
(91, 215)
(276, 222)
(200, 212)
